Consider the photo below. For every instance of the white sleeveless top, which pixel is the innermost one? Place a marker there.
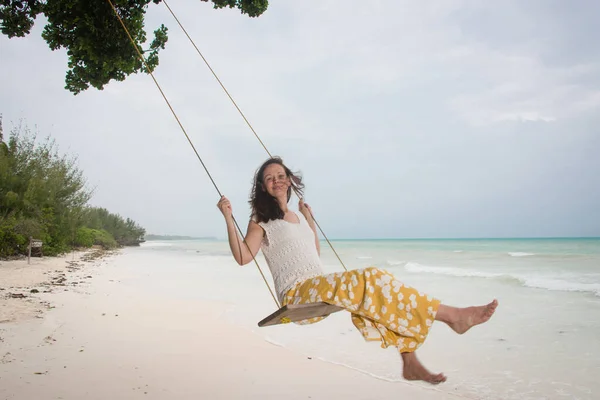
(290, 251)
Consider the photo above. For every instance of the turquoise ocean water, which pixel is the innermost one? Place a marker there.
(543, 342)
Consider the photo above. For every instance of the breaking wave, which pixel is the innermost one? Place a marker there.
(532, 281)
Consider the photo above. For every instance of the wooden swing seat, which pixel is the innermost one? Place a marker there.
(298, 312)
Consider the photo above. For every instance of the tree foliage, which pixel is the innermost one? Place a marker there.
(98, 48)
(124, 230)
(43, 195)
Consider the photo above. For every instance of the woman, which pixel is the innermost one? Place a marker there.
(382, 308)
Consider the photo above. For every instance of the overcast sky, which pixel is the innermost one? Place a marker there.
(407, 119)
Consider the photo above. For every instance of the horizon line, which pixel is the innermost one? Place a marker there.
(421, 238)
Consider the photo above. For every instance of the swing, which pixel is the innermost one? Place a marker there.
(299, 312)
(287, 313)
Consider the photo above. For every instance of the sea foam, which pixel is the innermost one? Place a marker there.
(527, 280)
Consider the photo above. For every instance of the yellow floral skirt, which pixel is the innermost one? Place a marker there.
(382, 308)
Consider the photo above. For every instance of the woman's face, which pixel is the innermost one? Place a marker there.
(275, 181)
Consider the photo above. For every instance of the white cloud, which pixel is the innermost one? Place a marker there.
(522, 88)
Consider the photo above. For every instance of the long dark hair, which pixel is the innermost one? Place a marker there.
(264, 206)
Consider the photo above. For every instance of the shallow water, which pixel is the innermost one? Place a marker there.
(543, 342)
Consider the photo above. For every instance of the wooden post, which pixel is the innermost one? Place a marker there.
(29, 253)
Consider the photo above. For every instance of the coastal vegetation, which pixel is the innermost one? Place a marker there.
(43, 195)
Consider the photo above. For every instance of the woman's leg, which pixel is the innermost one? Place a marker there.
(413, 370)
(463, 319)
(385, 310)
(460, 320)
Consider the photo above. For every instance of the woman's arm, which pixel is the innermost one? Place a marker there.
(254, 234)
(307, 212)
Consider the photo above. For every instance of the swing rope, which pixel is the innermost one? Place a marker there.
(141, 57)
(189, 140)
(243, 116)
(216, 77)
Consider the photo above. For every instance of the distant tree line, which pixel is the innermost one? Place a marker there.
(43, 195)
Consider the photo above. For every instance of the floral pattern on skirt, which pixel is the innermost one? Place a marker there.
(382, 308)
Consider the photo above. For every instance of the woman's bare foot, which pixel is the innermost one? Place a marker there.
(415, 371)
(463, 319)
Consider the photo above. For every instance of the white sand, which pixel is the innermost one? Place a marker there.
(18, 279)
(108, 340)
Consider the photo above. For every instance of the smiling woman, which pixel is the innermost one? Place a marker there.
(382, 308)
(273, 180)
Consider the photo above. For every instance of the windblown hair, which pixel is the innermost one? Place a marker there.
(264, 206)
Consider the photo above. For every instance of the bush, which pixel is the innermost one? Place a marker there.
(104, 239)
(85, 237)
(11, 242)
(29, 227)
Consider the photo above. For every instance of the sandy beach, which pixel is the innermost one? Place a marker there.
(21, 282)
(99, 338)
